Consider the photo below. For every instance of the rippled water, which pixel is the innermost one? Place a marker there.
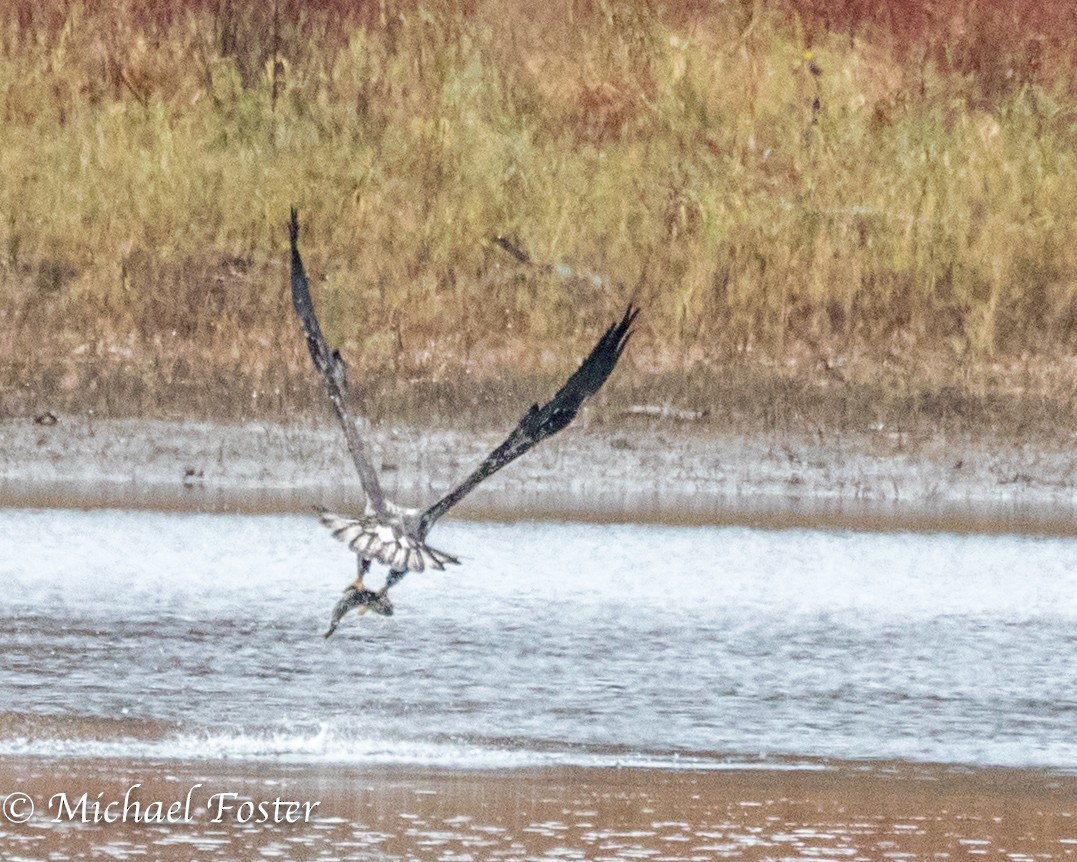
(187, 636)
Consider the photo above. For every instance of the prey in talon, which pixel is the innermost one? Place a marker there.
(358, 596)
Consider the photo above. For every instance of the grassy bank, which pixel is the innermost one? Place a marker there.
(877, 213)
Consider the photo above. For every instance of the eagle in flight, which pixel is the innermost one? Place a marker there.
(395, 535)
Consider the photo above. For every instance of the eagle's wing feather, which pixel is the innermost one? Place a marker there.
(373, 540)
(541, 422)
(330, 366)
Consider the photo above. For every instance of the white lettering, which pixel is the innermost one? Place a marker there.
(222, 806)
(67, 810)
(127, 809)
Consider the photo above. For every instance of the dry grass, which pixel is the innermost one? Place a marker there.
(872, 211)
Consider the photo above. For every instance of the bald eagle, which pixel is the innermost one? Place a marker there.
(395, 535)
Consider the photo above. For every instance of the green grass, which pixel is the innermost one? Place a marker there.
(897, 205)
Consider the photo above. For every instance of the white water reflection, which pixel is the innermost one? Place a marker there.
(195, 635)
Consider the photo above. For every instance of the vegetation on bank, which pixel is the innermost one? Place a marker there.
(819, 195)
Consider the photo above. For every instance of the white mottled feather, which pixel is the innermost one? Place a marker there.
(387, 543)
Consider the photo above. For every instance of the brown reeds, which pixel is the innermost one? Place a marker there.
(829, 195)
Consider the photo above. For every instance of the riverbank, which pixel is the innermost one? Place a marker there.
(882, 205)
(648, 468)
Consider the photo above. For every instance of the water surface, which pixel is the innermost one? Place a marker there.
(190, 636)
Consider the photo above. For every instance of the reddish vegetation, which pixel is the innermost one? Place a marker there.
(839, 191)
(998, 41)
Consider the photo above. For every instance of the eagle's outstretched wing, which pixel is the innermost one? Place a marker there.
(541, 422)
(331, 367)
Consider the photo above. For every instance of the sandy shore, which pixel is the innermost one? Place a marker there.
(646, 469)
(845, 811)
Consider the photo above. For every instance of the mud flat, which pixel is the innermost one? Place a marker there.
(642, 470)
(854, 811)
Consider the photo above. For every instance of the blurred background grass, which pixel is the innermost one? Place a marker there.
(841, 213)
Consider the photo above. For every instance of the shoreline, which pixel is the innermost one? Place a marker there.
(648, 472)
(391, 813)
